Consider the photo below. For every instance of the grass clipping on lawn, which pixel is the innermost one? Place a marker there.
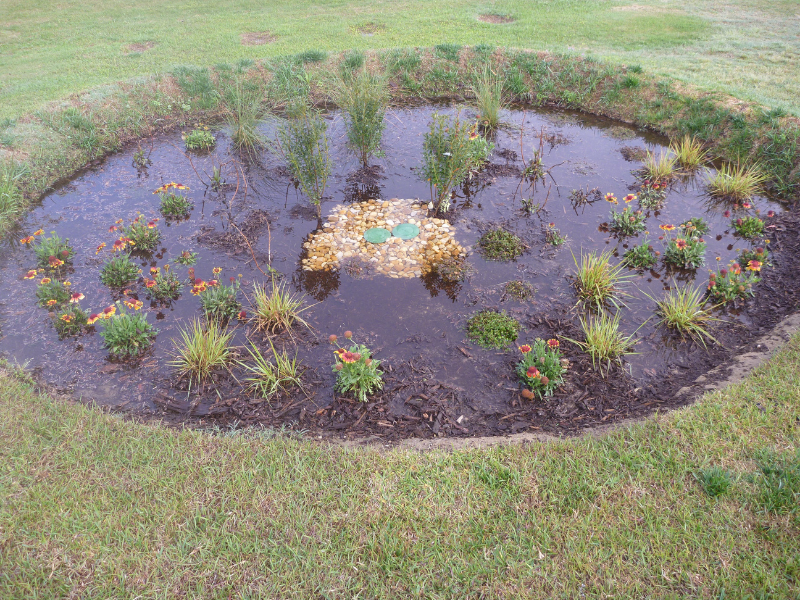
(98, 506)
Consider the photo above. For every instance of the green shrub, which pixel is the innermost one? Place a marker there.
(492, 329)
(219, 301)
(52, 251)
(499, 244)
(642, 256)
(628, 222)
(541, 368)
(364, 99)
(119, 271)
(143, 235)
(199, 139)
(687, 252)
(127, 334)
(355, 369)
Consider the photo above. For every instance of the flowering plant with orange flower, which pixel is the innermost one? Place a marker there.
(356, 371)
(542, 368)
(628, 222)
(165, 285)
(174, 206)
(70, 320)
(125, 334)
(145, 238)
(52, 251)
(652, 194)
(760, 254)
(52, 292)
(687, 249)
(218, 300)
(733, 283)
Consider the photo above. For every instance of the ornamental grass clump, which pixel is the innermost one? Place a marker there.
(488, 90)
(492, 329)
(499, 244)
(542, 368)
(748, 227)
(164, 285)
(364, 99)
(277, 309)
(355, 369)
(269, 377)
(603, 340)
(659, 168)
(203, 348)
(689, 152)
(199, 138)
(628, 222)
(642, 256)
(733, 283)
(52, 252)
(451, 151)
(737, 182)
(683, 311)
(597, 281)
(127, 334)
(143, 235)
(119, 271)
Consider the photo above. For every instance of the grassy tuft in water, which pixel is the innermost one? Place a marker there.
(492, 329)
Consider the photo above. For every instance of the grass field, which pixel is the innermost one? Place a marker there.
(699, 503)
(748, 48)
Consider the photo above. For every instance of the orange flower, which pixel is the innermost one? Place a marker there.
(27, 240)
(151, 225)
(118, 245)
(154, 270)
(148, 283)
(66, 318)
(76, 297)
(533, 373)
(666, 227)
(553, 344)
(52, 302)
(133, 304)
(55, 262)
(349, 357)
(213, 283)
(119, 221)
(109, 312)
(45, 281)
(100, 247)
(112, 229)
(524, 348)
(216, 270)
(93, 319)
(611, 198)
(629, 198)
(680, 243)
(67, 283)
(38, 232)
(30, 274)
(242, 315)
(754, 265)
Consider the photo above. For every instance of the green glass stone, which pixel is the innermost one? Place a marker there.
(406, 231)
(377, 235)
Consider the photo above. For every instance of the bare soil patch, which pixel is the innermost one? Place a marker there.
(139, 47)
(495, 19)
(257, 38)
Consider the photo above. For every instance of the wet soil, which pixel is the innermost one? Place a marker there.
(437, 383)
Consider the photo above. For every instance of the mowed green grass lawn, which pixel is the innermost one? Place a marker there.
(48, 49)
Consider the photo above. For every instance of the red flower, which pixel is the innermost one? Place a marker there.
(242, 315)
(349, 357)
(553, 344)
(27, 240)
(30, 274)
(76, 297)
(533, 373)
(148, 283)
(108, 312)
(754, 265)
(680, 243)
(524, 348)
(93, 319)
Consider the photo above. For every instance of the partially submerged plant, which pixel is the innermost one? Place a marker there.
(628, 222)
(499, 244)
(199, 138)
(642, 256)
(597, 281)
(119, 271)
(302, 141)
(519, 290)
(652, 194)
(164, 285)
(277, 309)
(492, 329)
(659, 168)
(758, 254)
(12, 201)
(143, 235)
(733, 283)
(219, 301)
(364, 98)
(452, 150)
(748, 227)
(187, 258)
(268, 377)
(52, 292)
(682, 310)
(689, 152)
(243, 109)
(52, 252)
(356, 371)
(127, 334)
(204, 347)
(542, 368)
(70, 320)
(737, 182)
(695, 226)
(603, 340)
(686, 250)
(553, 236)
(488, 91)
(172, 204)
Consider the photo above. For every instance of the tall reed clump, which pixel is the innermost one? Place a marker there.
(302, 141)
(277, 309)
(737, 182)
(689, 152)
(12, 202)
(682, 310)
(204, 347)
(489, 98)
(243, 110)
(364, 98)
(597, 281)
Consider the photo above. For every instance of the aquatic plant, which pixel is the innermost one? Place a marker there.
(553, 236)
(70, 320)
(492, 329)
(686, 250)
(652, 194)
(51, 252)
(199, 138)
(733, 283)
(218, 301)
(187, 258)
(689, 152)
(499, 244)
(542, 368)
(642, 256)
(127, 334)
(119, 271)
(143, 235)
(164, 284)
(355, 369)
(172, 204)
(52, 292)
(277, 309)
(682, 309)
(659, 168)
(489, 98)
(628, 222)
(597, 281)
(748, 227)
(519, 290)
(737, 182)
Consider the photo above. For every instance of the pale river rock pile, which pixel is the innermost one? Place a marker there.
(342, 239)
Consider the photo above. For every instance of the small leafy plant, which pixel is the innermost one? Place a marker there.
(519, 290)
(642, 256)
(267, 378)
(652, 194)
(199, 138)
(685, 252)
(187, 258)
(758, 254)
(499, 244)
(174, 205)
(597, 281)
(541, 369)
(492, 329)
(749, 227)
(144, 235)
(127, 334)
(218, 301)
(628, 222)
(715, 481)
(52, 293)
(164, 285)
(733, 283)
(70, 320)
(553, 236)
(119, 271)
(53, 252)
(695, 226)
(204, 347)
(451, 151)
(356, 371)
